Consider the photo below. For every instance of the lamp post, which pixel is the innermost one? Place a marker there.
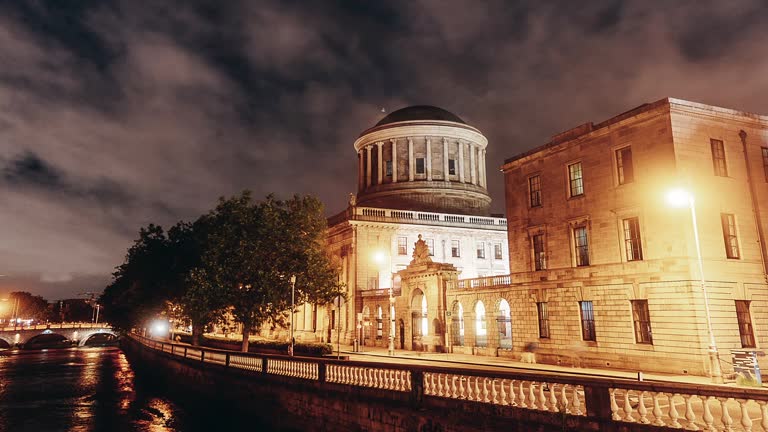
(680, 198)
(293, 291)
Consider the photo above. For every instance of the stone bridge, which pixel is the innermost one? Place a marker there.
(79, 332)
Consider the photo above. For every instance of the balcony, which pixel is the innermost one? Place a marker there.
(371, 214)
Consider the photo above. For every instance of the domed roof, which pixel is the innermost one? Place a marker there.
(419, 112)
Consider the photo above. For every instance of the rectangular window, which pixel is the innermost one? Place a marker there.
(452, 166)
(632, 244)
(642, 320)
(373, 282)
(729, 235)
(534, 191)
(431, 246)
(587, 321)
(402, 245)
(718, 158)
(575, 179)
(497, 253)
(543, 319)
(481, 250)
(419, 165)
(389, 168)
(539, 254)
(765, 162)
(745, 324)
(624, 167)
(581, 246)
(455, 248)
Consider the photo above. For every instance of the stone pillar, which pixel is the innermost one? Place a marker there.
(472, 165)
(410, 159)
(394, 160)
(429, 159)
(445, 159)
(360, 170)
(381, 162)
(368, 166)
(481, 167)
(461, 161)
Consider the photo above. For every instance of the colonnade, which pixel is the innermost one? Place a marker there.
(466, 149)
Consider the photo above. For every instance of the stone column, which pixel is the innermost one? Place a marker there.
(483, 179)
(360, 170)
(445, 159)
(410, 159)
(461, 161)
(429, 159)
(368, 166)
(394, 160)
(472, 164)
(381, 162)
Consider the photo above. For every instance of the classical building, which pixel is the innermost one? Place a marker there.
(606, 272)
(421, 172)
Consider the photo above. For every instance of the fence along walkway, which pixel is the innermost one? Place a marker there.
(618, 401)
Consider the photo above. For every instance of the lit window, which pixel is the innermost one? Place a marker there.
(575, 179)
(539, 254)
(452, 166)
(632, 244)
(765, 162)
(431, 246)
(543, 319)
(389, 168)
(455, 249)
(642, 320)
(481, 250)
(587, 321)
(624, 167)
(402, 245)
(534, 190)
(481, 331)
(379, 323)
(419, 165)
(745, 324)
(497, 254)
(729, 235)
(581, 246)
(504, 324)
(457, 323)
(718, 158)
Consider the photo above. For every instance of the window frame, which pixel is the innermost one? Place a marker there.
(575, 184)
(730, 235)
(580, 252)
(430, 245)
(542, 311)
(719, 161)
(402, 246)
(633, 246)
(534, 193)
(539, 257)
(423, 165)
(625, 171)
(455, 248)
(587, 315)
(388, 168)
(498, 251)
(746, 328)
(451, 166)
(641, 321)
(480, 247)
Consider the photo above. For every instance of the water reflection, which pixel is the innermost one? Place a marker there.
(95, 389)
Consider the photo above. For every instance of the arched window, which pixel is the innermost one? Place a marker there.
(379, 323)
(504, 323)
(424, 321)
(457, 324)
(419, 322)
(481, 332)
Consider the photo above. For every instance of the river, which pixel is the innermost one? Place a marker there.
(95, 389)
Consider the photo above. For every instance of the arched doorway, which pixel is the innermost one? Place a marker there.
(457, 325)
(366, 326)
(379, 323)
(419, 321)
(481, 330)
(401, 326)
(504, 324)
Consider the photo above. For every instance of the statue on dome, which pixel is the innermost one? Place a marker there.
(352, 200)
(421, 252)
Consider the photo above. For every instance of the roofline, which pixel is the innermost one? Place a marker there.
(418, 123)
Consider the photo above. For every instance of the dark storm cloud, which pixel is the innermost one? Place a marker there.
(120, 113)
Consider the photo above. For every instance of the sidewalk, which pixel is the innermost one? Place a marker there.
(498, 363)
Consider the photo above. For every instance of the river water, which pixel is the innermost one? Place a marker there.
(95, 389)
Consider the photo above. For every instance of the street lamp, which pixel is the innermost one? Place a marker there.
(681, 198)
(293, 291)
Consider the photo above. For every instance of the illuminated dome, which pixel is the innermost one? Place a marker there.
(423, 158)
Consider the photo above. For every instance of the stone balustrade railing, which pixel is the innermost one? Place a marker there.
(417, 217)
(483, 282)
(613, 404)
(53, 326)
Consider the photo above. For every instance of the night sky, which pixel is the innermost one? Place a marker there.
(115, 114)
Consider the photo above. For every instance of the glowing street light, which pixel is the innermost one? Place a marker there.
(293, 289)
(681, 198)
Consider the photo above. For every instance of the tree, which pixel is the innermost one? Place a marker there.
(29, 306)
(253, 250)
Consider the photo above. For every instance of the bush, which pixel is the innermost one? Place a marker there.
(267, 346)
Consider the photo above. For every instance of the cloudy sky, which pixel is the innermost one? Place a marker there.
(115, 114)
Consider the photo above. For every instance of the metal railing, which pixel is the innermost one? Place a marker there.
(608, 401)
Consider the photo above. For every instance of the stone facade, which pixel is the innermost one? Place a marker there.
(588, 222)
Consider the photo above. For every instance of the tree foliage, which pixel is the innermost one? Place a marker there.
(28, 306)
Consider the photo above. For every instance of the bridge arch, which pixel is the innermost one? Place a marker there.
(101, 337)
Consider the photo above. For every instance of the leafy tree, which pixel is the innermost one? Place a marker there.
(29, 306)
(254, 248)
